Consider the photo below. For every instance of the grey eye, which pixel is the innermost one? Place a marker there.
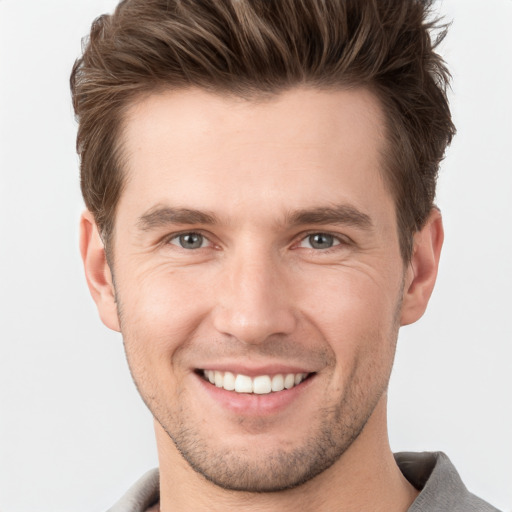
(322, 241)
(189, 240)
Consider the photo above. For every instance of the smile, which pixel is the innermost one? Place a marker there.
(260, 385)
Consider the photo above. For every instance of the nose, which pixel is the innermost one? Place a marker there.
(254, 301)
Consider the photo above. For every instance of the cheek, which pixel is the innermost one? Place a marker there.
(356, 314)
(159, 313)
(350, 300)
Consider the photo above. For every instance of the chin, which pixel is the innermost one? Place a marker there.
(260, 465)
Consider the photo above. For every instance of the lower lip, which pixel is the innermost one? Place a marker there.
(251, 404)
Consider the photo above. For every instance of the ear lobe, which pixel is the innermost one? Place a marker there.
(97, 271)
(422, 272)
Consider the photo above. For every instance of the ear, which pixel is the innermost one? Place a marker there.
(422, 271)
(97, 272)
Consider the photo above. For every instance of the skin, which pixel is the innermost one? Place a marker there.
(258, 296)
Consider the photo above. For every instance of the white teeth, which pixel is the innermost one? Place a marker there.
(243, 384)
(277, 383)
(289, 381)
(261, 385)
(299, 377)
(229, 381)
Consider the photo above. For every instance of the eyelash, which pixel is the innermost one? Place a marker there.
(341, 240)
(175, 236)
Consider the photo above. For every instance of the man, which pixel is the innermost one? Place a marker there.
(259, 179)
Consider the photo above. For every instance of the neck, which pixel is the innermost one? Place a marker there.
(365, 477)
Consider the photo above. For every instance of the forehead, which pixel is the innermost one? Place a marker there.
(224, 154)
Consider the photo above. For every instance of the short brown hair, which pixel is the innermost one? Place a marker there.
(254, 47)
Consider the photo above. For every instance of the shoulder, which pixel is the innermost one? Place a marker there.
(440, 484)
(142, 496)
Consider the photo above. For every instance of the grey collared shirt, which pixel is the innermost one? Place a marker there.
(441, 488)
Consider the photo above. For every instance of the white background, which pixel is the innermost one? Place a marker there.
(73, 432)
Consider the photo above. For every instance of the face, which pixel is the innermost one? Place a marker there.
(258, 277)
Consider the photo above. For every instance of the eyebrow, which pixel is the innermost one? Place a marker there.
(165, 215)
(341, 214)
(346, 215)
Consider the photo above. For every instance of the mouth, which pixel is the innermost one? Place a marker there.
(258, 385)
